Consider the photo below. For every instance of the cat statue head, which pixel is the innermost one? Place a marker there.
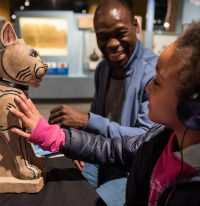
(20, 63)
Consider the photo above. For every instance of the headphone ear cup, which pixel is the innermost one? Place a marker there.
(189, 113)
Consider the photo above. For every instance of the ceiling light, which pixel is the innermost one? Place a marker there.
(22, 7)
(166, 24)
(13, 16)
(27, 3)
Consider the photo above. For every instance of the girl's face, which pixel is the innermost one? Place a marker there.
(163, 99)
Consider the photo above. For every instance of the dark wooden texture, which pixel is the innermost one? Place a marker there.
(64, 186)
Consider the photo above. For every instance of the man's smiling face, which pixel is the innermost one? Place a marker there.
(116, 33)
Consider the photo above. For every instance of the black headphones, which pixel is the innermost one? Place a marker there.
(189, 111)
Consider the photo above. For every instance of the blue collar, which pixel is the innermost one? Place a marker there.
(138, 51)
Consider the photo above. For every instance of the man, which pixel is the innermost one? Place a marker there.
(119, 105)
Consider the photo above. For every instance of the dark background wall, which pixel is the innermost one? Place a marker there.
(139, 7)
(76, 5)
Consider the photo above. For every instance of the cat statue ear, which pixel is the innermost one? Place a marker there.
(8, 35)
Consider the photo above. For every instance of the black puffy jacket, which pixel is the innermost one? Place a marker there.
(137, 155)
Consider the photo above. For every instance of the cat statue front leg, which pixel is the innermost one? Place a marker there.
(19, 164)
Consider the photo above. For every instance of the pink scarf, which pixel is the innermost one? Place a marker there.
(166, 171)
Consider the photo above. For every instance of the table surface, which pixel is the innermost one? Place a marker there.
(64, 186)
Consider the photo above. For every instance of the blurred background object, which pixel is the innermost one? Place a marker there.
(2, 21)
(72, 52)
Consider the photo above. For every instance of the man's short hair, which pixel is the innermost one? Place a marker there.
(126, 3)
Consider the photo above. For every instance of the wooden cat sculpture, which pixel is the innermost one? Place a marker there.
(21, 66)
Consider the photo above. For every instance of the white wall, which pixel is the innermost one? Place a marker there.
(191, 11)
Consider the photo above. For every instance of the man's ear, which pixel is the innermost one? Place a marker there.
(136, 26)
(8, 35)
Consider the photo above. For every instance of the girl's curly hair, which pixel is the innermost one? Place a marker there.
(188, 51)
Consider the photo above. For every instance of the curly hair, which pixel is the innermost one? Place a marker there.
(188, 51)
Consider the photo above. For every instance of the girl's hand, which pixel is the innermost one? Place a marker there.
(29, 117)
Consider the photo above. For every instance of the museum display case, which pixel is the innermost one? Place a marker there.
(60, 42)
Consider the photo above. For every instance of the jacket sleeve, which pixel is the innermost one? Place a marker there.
(105, 127)
(115, 152)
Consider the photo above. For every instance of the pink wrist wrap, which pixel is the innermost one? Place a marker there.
(48, 137)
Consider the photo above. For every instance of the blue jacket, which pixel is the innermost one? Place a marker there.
(139, 71)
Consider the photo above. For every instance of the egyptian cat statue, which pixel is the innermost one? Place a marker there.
(21, 170)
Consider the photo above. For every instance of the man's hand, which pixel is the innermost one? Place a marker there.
(66, 116)
(29, 117)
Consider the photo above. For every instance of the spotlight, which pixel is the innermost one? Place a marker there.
(166, 24)
(27, 3)
(22, 7)
(13, 16)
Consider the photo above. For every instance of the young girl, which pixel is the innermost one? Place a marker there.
(163, 164)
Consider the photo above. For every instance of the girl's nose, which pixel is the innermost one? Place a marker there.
(148, 87)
